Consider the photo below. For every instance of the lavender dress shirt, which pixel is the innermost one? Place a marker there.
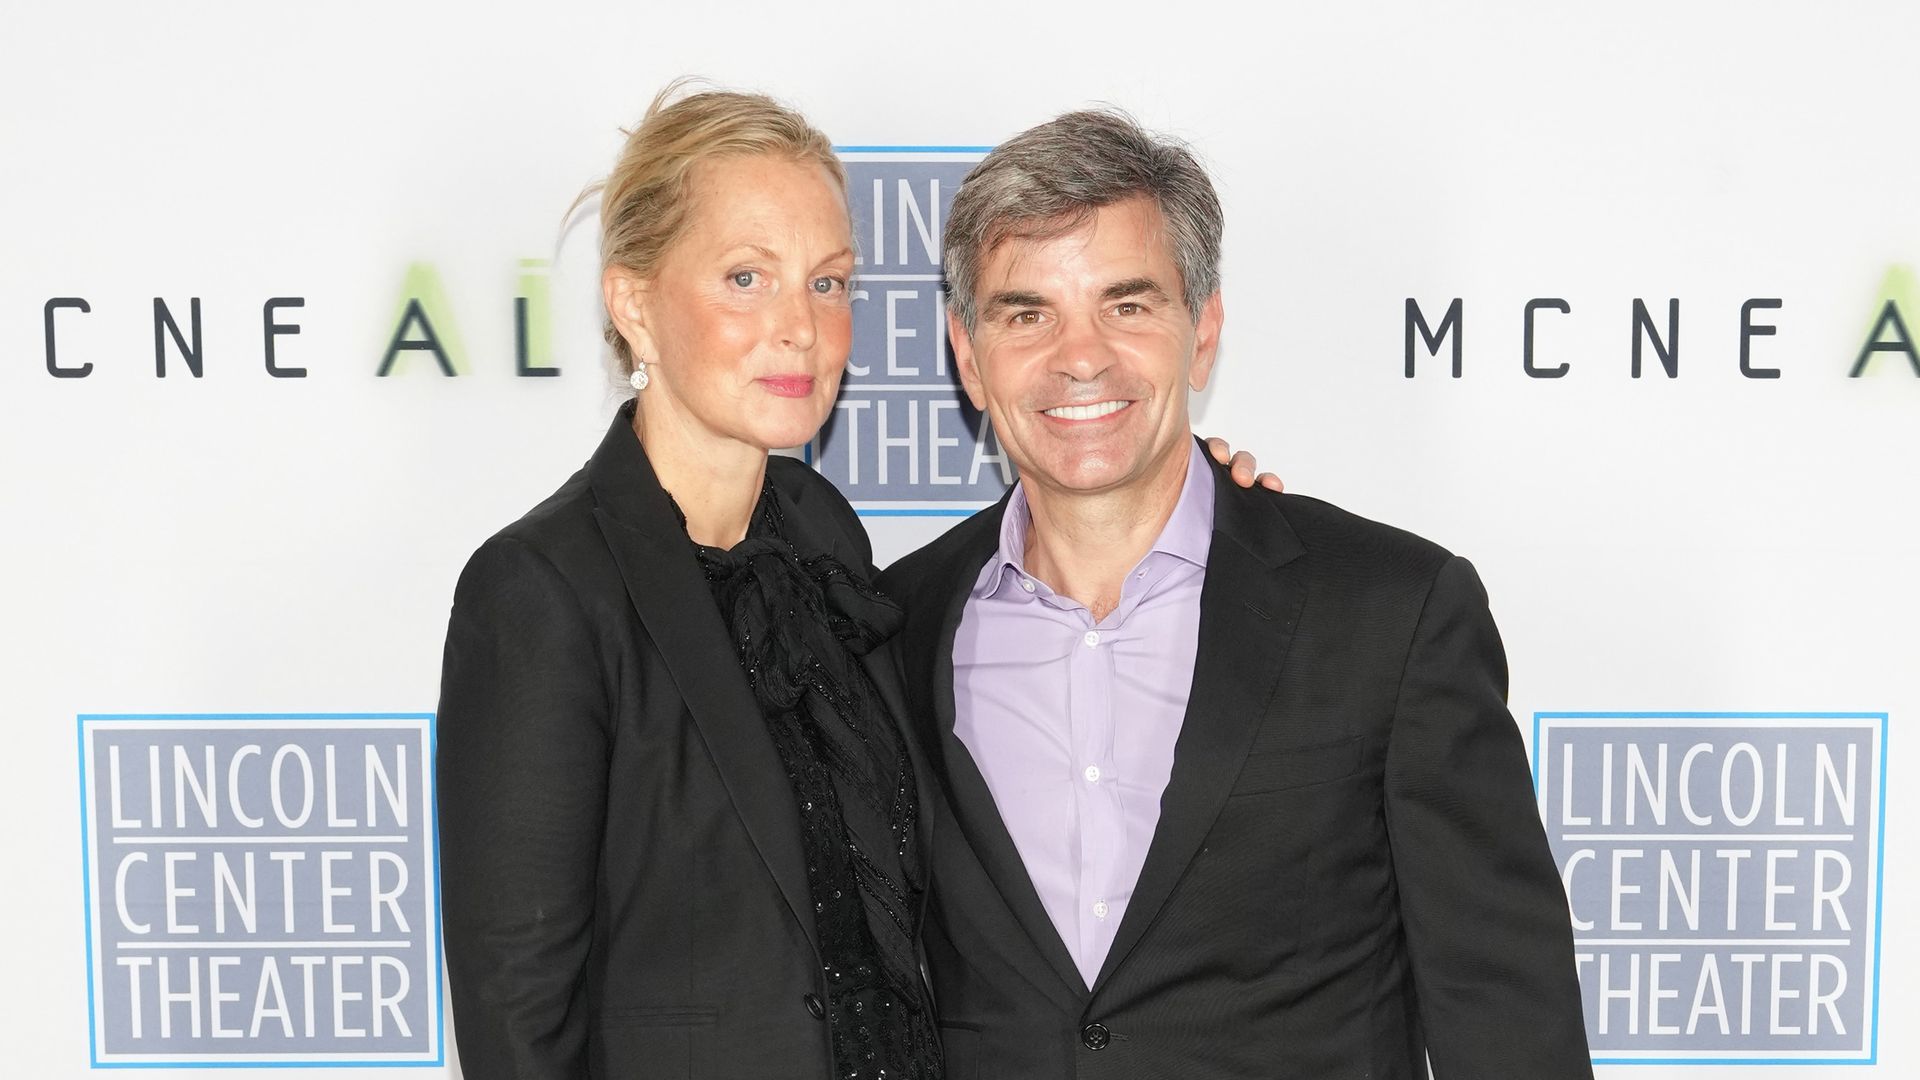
(1072, 722)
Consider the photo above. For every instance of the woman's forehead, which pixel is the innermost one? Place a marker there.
(766, 201)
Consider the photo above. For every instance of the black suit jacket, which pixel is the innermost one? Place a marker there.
(1349, 872)
(623, 886)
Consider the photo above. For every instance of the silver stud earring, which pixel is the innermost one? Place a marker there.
(638, 380)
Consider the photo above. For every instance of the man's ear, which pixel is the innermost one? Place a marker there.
(625, 294)
(1206, 342)
(963, 360)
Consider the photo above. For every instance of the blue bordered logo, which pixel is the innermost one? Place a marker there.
(903, 440)
(1724, 876)
(261, 890)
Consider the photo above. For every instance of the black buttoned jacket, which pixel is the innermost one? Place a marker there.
(1349, 874)
(623, 886)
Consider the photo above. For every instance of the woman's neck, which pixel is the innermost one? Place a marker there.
(715, 481)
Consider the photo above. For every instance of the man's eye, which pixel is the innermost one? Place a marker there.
(1026, 318)
(1128, 308)
(744, 278)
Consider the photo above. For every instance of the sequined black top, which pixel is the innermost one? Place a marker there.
(800, 624)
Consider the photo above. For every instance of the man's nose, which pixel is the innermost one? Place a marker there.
(1083, 351)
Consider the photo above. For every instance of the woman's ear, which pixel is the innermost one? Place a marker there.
(625, 294)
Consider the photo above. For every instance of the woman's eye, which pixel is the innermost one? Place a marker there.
(827, 286)
(744, 278)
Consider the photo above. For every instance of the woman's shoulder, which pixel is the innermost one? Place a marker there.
(823, 513)
(568, 510)
(559, 532)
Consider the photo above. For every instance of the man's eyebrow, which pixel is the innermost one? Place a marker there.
(1014, 298)
(1135, 286)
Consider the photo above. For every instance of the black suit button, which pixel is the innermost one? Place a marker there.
(813, 1006)
(1096, 1036)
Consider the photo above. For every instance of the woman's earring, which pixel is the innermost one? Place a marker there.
(638, 380)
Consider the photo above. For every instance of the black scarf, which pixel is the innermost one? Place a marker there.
(799, 624)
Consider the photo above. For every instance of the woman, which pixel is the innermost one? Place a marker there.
(658, 861)
(680, 828)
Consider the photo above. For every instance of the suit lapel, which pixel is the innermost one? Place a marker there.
(666, 588)
(974, 810)
(1255, 586)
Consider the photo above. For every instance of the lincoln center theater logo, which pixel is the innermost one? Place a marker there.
(903, 439)
(1723, 871)
(260, 889)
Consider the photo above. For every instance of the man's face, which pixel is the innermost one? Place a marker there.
(1083, 351)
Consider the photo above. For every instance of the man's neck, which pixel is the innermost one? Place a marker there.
(1083, 545)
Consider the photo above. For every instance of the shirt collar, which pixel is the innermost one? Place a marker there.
(1187, 535)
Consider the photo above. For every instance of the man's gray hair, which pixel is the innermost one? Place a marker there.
(1050, 179)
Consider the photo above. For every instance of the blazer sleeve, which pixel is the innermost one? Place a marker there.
(1486, 919)
(522, 765)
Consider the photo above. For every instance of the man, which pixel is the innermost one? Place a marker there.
(1234, 790)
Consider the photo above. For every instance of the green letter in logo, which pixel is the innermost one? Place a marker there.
(423, 303)
(1897, 290)
(533, 321)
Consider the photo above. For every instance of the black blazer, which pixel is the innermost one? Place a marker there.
(1349, 872)
(623, 887)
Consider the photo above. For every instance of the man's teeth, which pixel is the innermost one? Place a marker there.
(1087, 412)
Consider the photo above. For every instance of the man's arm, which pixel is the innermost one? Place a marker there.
(1486, 920)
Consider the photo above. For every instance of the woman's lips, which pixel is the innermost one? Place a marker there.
(794, 386)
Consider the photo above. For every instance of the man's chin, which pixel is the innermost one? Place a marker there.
(1080, 476)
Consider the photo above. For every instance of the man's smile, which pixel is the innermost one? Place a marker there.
(1094, 411)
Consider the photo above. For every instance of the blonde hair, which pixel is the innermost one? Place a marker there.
(646, 201)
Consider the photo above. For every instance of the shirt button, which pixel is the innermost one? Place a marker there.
(1099, 909)
(1092, 638)
(1093, 774)
(1027, 585)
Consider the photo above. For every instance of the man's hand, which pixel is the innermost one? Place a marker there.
(1242, 466)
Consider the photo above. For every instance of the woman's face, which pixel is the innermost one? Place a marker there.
(747, 322)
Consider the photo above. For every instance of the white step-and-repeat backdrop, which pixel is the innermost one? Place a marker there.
(1618, 301)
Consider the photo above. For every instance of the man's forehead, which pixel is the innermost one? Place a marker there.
(1130, 232)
